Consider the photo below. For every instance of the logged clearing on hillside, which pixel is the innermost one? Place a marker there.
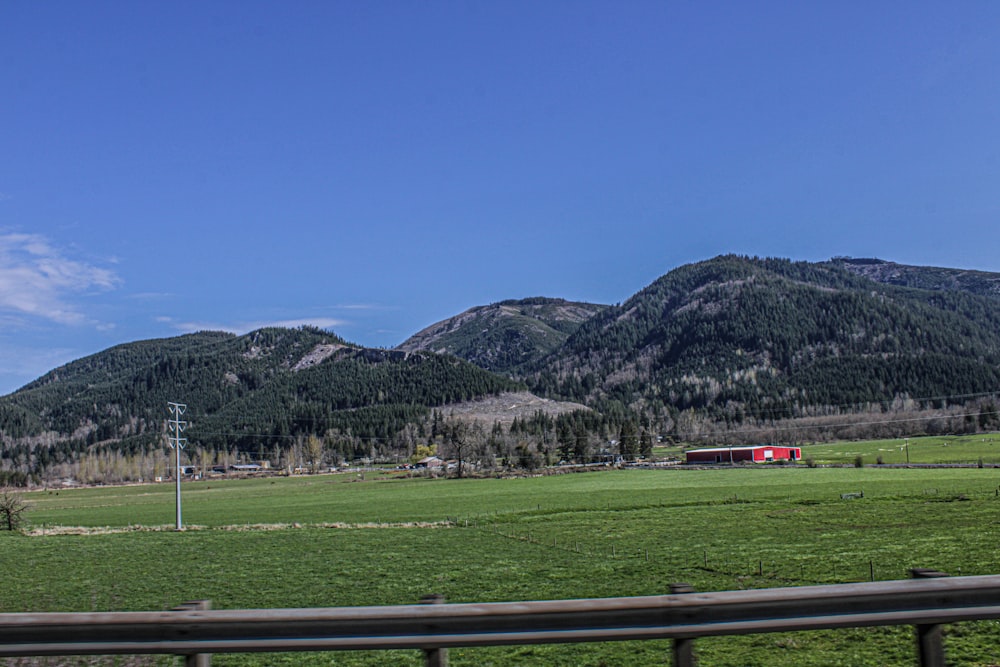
(507, 407)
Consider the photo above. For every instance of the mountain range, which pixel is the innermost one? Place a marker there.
(738, 338)
(734, 340)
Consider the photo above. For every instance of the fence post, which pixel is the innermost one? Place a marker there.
(196, 659)
(435, 657)
(683, 646)
(929, 640)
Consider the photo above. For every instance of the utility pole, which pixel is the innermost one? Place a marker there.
(175, 427)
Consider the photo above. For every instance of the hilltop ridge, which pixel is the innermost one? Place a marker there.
(506, 336)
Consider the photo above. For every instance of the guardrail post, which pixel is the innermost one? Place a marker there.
(196, 659)
(929, 640)
(683, 646)
(435, 657)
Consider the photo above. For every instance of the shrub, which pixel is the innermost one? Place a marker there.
(859, 461)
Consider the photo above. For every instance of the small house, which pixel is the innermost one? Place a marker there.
(429, 462)
(245, 468)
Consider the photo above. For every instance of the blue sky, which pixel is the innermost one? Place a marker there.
(374, 167)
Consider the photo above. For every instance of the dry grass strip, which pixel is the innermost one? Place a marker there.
(43, 531)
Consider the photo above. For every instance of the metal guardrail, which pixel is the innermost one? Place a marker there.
(682, 616)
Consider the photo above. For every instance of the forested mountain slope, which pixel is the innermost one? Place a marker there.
(736, 337)
(246, 391)
(504, 337)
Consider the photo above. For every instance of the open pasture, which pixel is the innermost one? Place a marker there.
(336, 540)
(968, 449)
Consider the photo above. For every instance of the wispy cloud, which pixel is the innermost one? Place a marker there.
(38, 280)
(152, 296)
(244, 327)
(360, 306)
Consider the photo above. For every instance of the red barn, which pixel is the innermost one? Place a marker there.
(755, 454)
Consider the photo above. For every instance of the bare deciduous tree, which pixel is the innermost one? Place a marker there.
(12, 509)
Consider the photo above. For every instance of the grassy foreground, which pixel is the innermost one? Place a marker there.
(338, 540)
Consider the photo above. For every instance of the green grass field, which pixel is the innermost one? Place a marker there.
(932, 449)
(336, 540)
